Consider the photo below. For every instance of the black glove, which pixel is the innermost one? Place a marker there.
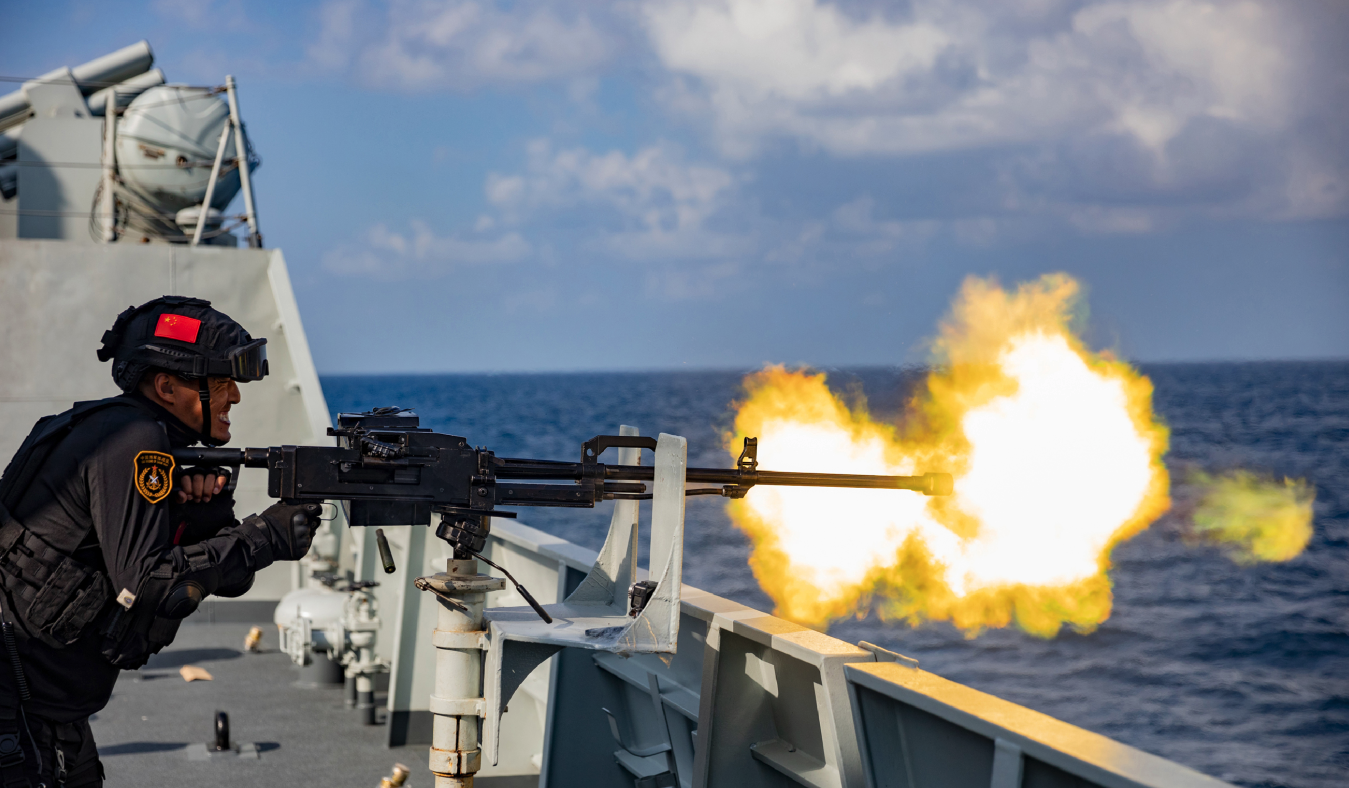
(196, 522)
(289, 527)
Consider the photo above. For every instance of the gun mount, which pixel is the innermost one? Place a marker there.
(388, 470)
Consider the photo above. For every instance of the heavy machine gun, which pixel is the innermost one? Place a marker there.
(388, 470)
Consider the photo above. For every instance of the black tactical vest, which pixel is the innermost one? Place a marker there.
(54, 596)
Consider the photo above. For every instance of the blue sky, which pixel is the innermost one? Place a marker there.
(478, 186)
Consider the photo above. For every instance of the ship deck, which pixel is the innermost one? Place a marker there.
(303, 736)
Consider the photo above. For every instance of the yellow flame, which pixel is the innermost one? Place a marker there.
(1259, 519)
(1056, 456)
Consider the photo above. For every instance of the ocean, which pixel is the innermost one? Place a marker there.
(1241, 672)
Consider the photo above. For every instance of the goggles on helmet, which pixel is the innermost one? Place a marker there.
(243, 363)
(248, 362)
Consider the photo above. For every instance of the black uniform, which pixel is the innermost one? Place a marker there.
(132, 532)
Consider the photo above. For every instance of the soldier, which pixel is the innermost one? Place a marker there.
(105, 546)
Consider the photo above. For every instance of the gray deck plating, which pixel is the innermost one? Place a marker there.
(303, 736)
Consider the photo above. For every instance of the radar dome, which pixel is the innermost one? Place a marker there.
(166, 143)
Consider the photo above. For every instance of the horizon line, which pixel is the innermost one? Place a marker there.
(798, 365)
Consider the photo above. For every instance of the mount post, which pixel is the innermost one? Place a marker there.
(457, 703)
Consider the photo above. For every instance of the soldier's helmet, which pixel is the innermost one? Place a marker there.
(184, 336)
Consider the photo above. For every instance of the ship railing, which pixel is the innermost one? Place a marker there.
(916, 728)
(750, 699)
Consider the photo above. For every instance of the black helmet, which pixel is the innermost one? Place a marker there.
(184, 336)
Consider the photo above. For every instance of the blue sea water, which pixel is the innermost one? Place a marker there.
(1241, 672)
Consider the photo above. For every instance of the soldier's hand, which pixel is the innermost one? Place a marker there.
(199, 485)
(290, 528)
(195, 522)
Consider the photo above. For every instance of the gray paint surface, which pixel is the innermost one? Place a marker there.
(58, 298)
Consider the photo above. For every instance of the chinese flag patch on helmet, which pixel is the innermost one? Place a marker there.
(179, 327)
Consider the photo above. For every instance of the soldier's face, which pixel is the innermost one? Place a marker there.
(182, 398)
(224, 394)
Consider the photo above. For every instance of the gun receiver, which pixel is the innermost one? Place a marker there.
(387, 470)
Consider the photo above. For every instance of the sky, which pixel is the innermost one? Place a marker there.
(515, 186)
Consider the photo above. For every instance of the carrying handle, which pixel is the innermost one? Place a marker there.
(593, 448)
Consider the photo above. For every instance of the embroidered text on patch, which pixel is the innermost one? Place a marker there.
(154, 475)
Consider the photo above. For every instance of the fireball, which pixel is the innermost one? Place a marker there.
(1056, 455)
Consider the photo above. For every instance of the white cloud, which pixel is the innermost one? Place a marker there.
(795, 49)
(430, 45)
(651, 204)
(1093, 116)
(1219, 82)
(388, 254)
(954, 75)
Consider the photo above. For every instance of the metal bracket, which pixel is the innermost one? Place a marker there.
(1007, 764)
(595, 616)
(593, 448)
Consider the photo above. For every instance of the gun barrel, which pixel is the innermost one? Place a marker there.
(928, 483)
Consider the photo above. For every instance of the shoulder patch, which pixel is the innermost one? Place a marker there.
(154, 475)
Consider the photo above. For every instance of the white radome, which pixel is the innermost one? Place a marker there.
(166, 143)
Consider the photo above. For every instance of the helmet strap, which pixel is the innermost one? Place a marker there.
(204, 393)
